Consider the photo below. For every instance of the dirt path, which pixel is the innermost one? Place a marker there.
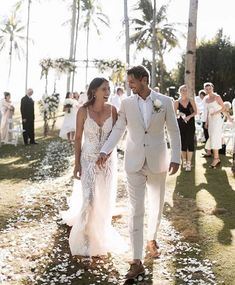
(35, 244)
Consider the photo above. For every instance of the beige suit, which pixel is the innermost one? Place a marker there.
(146, 161)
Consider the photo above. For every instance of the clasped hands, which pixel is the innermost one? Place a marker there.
(102, 160)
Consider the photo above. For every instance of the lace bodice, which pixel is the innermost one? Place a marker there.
(95, 136)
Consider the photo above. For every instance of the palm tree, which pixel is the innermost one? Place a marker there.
(11, 37)
(76, 38)
(153, 73)
(127, 34)
(72, 39)
(190, 58)
(93, 16)
(17, 6)
(165, 33)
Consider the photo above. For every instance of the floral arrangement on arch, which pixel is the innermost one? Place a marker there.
(62, 65)
(59, 65)
(48, 107)
(116, 67)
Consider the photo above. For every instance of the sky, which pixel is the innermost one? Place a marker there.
(50, 33)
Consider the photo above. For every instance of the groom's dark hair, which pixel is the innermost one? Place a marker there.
(139, 72)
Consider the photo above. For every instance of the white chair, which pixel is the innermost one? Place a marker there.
(15, 129)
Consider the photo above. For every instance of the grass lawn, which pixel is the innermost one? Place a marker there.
(199, 204)
(202, 208)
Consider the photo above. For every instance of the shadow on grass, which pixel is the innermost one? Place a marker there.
(185, 213)
(224, 195)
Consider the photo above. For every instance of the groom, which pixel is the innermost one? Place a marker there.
(145, 114)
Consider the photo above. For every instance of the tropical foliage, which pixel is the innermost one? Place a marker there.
(12, 37)
(215, 62)
(166, 38)
(91, 17)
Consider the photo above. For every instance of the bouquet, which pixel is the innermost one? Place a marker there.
(68, 104)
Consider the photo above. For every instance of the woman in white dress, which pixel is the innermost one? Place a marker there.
(213, 108)
(90, 215)
(68, 127)
(7, 111)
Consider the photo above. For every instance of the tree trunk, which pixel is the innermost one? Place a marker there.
(87, 51)
(76, 38)
(153, 71)
(190, 58)
(27, 48)
(10, 58)
(71, 53)
(127, 34)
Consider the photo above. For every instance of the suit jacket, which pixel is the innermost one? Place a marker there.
(27, 108)
(146, 143)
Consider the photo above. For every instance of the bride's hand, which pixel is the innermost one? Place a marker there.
(77, 172)
(101, 160)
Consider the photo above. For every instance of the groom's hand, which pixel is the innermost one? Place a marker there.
(101, 160)
(173, 168)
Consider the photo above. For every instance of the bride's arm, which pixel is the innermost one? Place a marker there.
(114, 114)
(81, 116)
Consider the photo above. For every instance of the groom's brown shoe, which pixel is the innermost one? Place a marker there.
(153, 249)
(135, 270)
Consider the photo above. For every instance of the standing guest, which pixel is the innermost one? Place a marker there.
(185, 109)
(27, 114)
(116, 99)
(68, 127)
(226, 113)
(7, 111)
(213, 108)
(200, 107)
(157, 89)
(82, 98)
(76, 95)
(145, 115)
(76, 99)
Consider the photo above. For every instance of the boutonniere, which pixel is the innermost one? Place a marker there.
(157, 105)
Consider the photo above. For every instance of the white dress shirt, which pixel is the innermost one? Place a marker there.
(146, 109)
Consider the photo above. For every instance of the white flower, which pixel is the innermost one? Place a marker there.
(157, 105)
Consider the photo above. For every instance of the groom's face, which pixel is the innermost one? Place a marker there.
(136, 85)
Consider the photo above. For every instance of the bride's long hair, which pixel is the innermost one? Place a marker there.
(95, 83)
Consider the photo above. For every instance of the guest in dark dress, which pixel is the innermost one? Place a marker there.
(185, 109)
(27, 114)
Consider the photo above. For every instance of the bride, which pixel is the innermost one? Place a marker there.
(94, 193)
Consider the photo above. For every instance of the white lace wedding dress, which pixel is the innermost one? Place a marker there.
(93, 198)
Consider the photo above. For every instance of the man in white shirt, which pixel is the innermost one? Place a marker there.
(117, 98)
(147, 160)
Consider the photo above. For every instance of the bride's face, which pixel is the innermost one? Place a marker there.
(103, 92)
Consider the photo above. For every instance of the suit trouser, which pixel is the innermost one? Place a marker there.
(28, 126)
(137, 183)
